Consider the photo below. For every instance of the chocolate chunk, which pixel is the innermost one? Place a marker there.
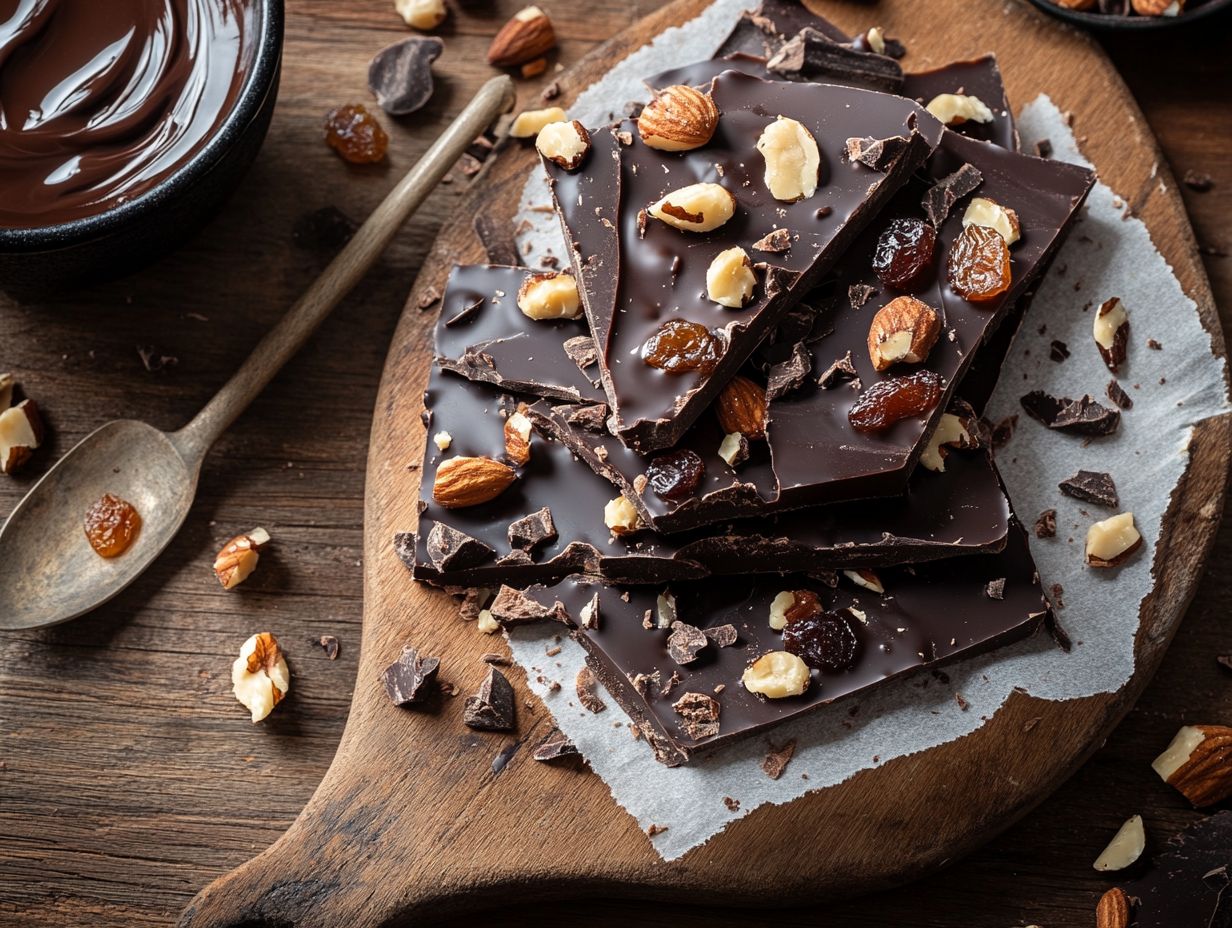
(1115, 355)
(473, 601)
(815, 56)
(995, 589)
(497, 238)
(516, 558)
(723, 636)
(1091, 487)
(878, 154)
(581, 350)
(1046, 524)
(777, 759)
(587, 687)
(999, 435)
(497, 660)
(1043, 149)
(330, 644)
(328, 229)
(775, 242)
(1198, 181)
(1058, 350)
(555, 746)
(1118, 395)
(466, 314)
(1154, 346)
(491, 709)
(400, 75)
(533, 530)
(788, 376)
(409, 679)
(1082, 416)
(685, 643)
(515, 607)
(859, 294)
(840, 371)
(700, 714)
(449, 549)
(593, 418)
(942, 195)
(427, 297)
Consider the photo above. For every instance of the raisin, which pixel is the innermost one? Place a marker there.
(979, 264)
(355, 134)
(904, 253)
(111, 524)
(888, 401)
(681, 346)
(824, 640)
(675, 475)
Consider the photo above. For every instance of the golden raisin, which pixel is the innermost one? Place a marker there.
(979, 264)
(904, 253)
(355, 134)
(889, 401)
(680, 346)
(111, 524)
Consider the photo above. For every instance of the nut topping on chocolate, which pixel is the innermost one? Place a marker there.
(775, 242)
(1111, 331)
(564, 143)
(982, 211)
(951, 432)
(793, 163)
(517, 437)
(904, 330)
(695, 208)
(741, 407)
(776, 675)
(553, 295)
(621, 516)
(730, 279)
(1113, 541)
(734, 449)
(679, 118)
(863, 577)
(954, 109)
(470, 481)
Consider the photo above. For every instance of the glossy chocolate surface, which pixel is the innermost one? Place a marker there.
(100, 100)
(634, 277)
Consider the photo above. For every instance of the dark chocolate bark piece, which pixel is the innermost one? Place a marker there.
(491, 709)
(763, 31)
(635, 276)
(555, 746)
(410, 678)
(1083, 416)
(812, 55)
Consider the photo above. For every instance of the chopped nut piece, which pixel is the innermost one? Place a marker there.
(551, 295)
(528, 123)
(621, 516)
(982, 211)
(863, 577)
(730, 278)
(679, 118)
(564, 143)
(776, 675)
(421, 14)
(951, 432)
(793, 163)
(1198, 764)
(876, 40)
(589, 616)
(904, 330)
(238, 558)
(442, 440)
(534, 69)
(1111, 331)
(527, 36)
(734, 449)
(1110, 543)
(259, 677)
(954, 109)
(486, 623)
(695, 208)
(21, 434)
(7, 383)
(517, 437)
(779, 607)
(1125, 847)
(470, 481)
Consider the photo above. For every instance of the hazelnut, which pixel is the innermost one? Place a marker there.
(421, 14)
(695, 208)
(527, 124)
(982, 211)
(778, 609)
(552, 295)
(1125, 847)
(951, 432)
(442, 440)
(905, 330)
(1111, 332)
(238, 558)
(679, 118)
(665, 609)
(954, 109)
(876, 40)
(865, 578)
(564, 143)
(1110, 543)
(259, 677)
(21, 433)
(517, 437)
(621, 516)
(730, 278)
(776, 675)
(793, 163)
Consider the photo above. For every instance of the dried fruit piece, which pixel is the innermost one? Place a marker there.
(1113, 541)
(21, 434)
(1111, 332)
(111, 524)
(529, 123)
(676, 474)
(259, 677)
(904, 330)
(1198, 763)
(564, 143)
(982, 211)
(776, 675)
(730, 278)
(954, 109)
(904, 253)
(695, 208)
(470, 481)
(238, 558)
(552, 295)
(355, 134)
(679, 118)
(824, 640)
(681, 346)
(793, 163)
(741, 408)
(979, 264)
(889, 401)
(1125, 847)
(527, 36)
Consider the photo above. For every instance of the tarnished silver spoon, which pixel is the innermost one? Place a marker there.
(48, 571)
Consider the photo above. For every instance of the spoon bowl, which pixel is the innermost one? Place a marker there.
(49, 572)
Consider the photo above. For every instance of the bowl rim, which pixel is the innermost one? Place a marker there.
(1110, 21)
(261, 79)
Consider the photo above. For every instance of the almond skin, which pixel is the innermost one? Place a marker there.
(467, 481)
(679, 118)
(527, 36)
(1113, 909)
(1204, 776)
(904, 330)
(741, 407)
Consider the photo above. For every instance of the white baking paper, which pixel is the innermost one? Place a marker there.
(1108, 254)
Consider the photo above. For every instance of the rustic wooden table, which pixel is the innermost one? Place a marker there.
(129, 777)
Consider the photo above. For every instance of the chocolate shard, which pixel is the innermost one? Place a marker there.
(941, 196)
(1091, 487)
(410, 678)
(587, 687)
(699, 715)
(859, 293)
(581, 350)
(775, 242)
(400, 75)
(330, 644)
(491, 709)
(777, 759)
(995, 589)
(593, 418)
(1083, 416)
(840, 371)
(1046, 524)
(723, 636)
(815, 56)
(555, 746)
(473, 601)
(450, 549)
(1117, 394)
(788, 376)
(533, 530)
(685, 643)
(515, 607)
(1058, 351)
(879, 154)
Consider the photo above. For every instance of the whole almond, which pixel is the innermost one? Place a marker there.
(904, 330)
(524, 38)
(470, 481)
(679, 118)
(741, 407)
(1113, 909)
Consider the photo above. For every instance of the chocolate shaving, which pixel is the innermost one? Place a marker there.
(533, 530)
(1091, 487)
(1046, 524)
(465, 314)
(514, 607)
(1082, 416)
(409, 679)
(788, 376)
(995, 589)
(878, 154)
(941, 196)
(592, 418)
(449, 549)
(723, 636)
(1058, 350)
(777, 759)
(400, 75)
(555, 746)
(581, 350)
(700, 714)
(775, 242)
(1118, 395)
(491, 709)
(685, 643)
(587, 691)
(812, 55)
(840, 371)
(859, 294)
(331, 646)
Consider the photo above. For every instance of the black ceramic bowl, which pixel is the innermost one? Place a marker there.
(122, 238)
(1133, 23)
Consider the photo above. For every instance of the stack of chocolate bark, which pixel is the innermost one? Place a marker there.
(737, 447)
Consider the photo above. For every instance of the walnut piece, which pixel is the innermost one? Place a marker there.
(238, 558)
(259, 677)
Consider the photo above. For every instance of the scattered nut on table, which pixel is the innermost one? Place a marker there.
(238, 558)
(1198, 764)
(528, 123)
(21, 430)
(1125, 847)
(260, 678)
(421, 14)
(1113, 541)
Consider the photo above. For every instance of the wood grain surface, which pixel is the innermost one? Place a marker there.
(129, 777)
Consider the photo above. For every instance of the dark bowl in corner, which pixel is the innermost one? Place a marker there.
(123, 238)
(1109, 21)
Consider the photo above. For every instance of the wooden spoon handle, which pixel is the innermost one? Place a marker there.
(344, 272)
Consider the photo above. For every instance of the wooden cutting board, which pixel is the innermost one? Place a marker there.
(411, 823)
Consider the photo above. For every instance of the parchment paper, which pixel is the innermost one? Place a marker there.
(1107, 255)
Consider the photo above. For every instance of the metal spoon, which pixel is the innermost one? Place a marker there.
(48, 571)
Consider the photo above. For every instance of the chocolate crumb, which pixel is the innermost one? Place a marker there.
(400, 75)
(587, 687)
(331, 646)
(700, 714)
(497, 660)
(788, 376)
(1154, 345)
(409, 679)
(941, 196)
(733, 805)
(1091, 487)
(533, 530)
(1198, 181)
(515, 607)
(592, 418)
(1083, 416)
(501, 760)
(1001, 433)
(685, 643)
(154, 360)
(581, 350)
(777, 759)
(775, 242)
(1046, 524)
(550, 92)
(492, 708)
(723, 636)
(962, 703)
(449, 549)
(878, 154)
(1118, 395)
(995, 589)
(652, 829)
(1225, 661)
(1058, 350)
(1043, 149)
(859, 294)
(556, 745)
(823, 211)
(838, 372)
(328, 229)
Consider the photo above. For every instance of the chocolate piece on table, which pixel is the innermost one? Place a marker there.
(646, 280)
(491, 709)
(1188, 882)
(1091, 487)
(1117, 394)
(1083, 416)
(410, 678)
(554, 746)
(929, 615)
